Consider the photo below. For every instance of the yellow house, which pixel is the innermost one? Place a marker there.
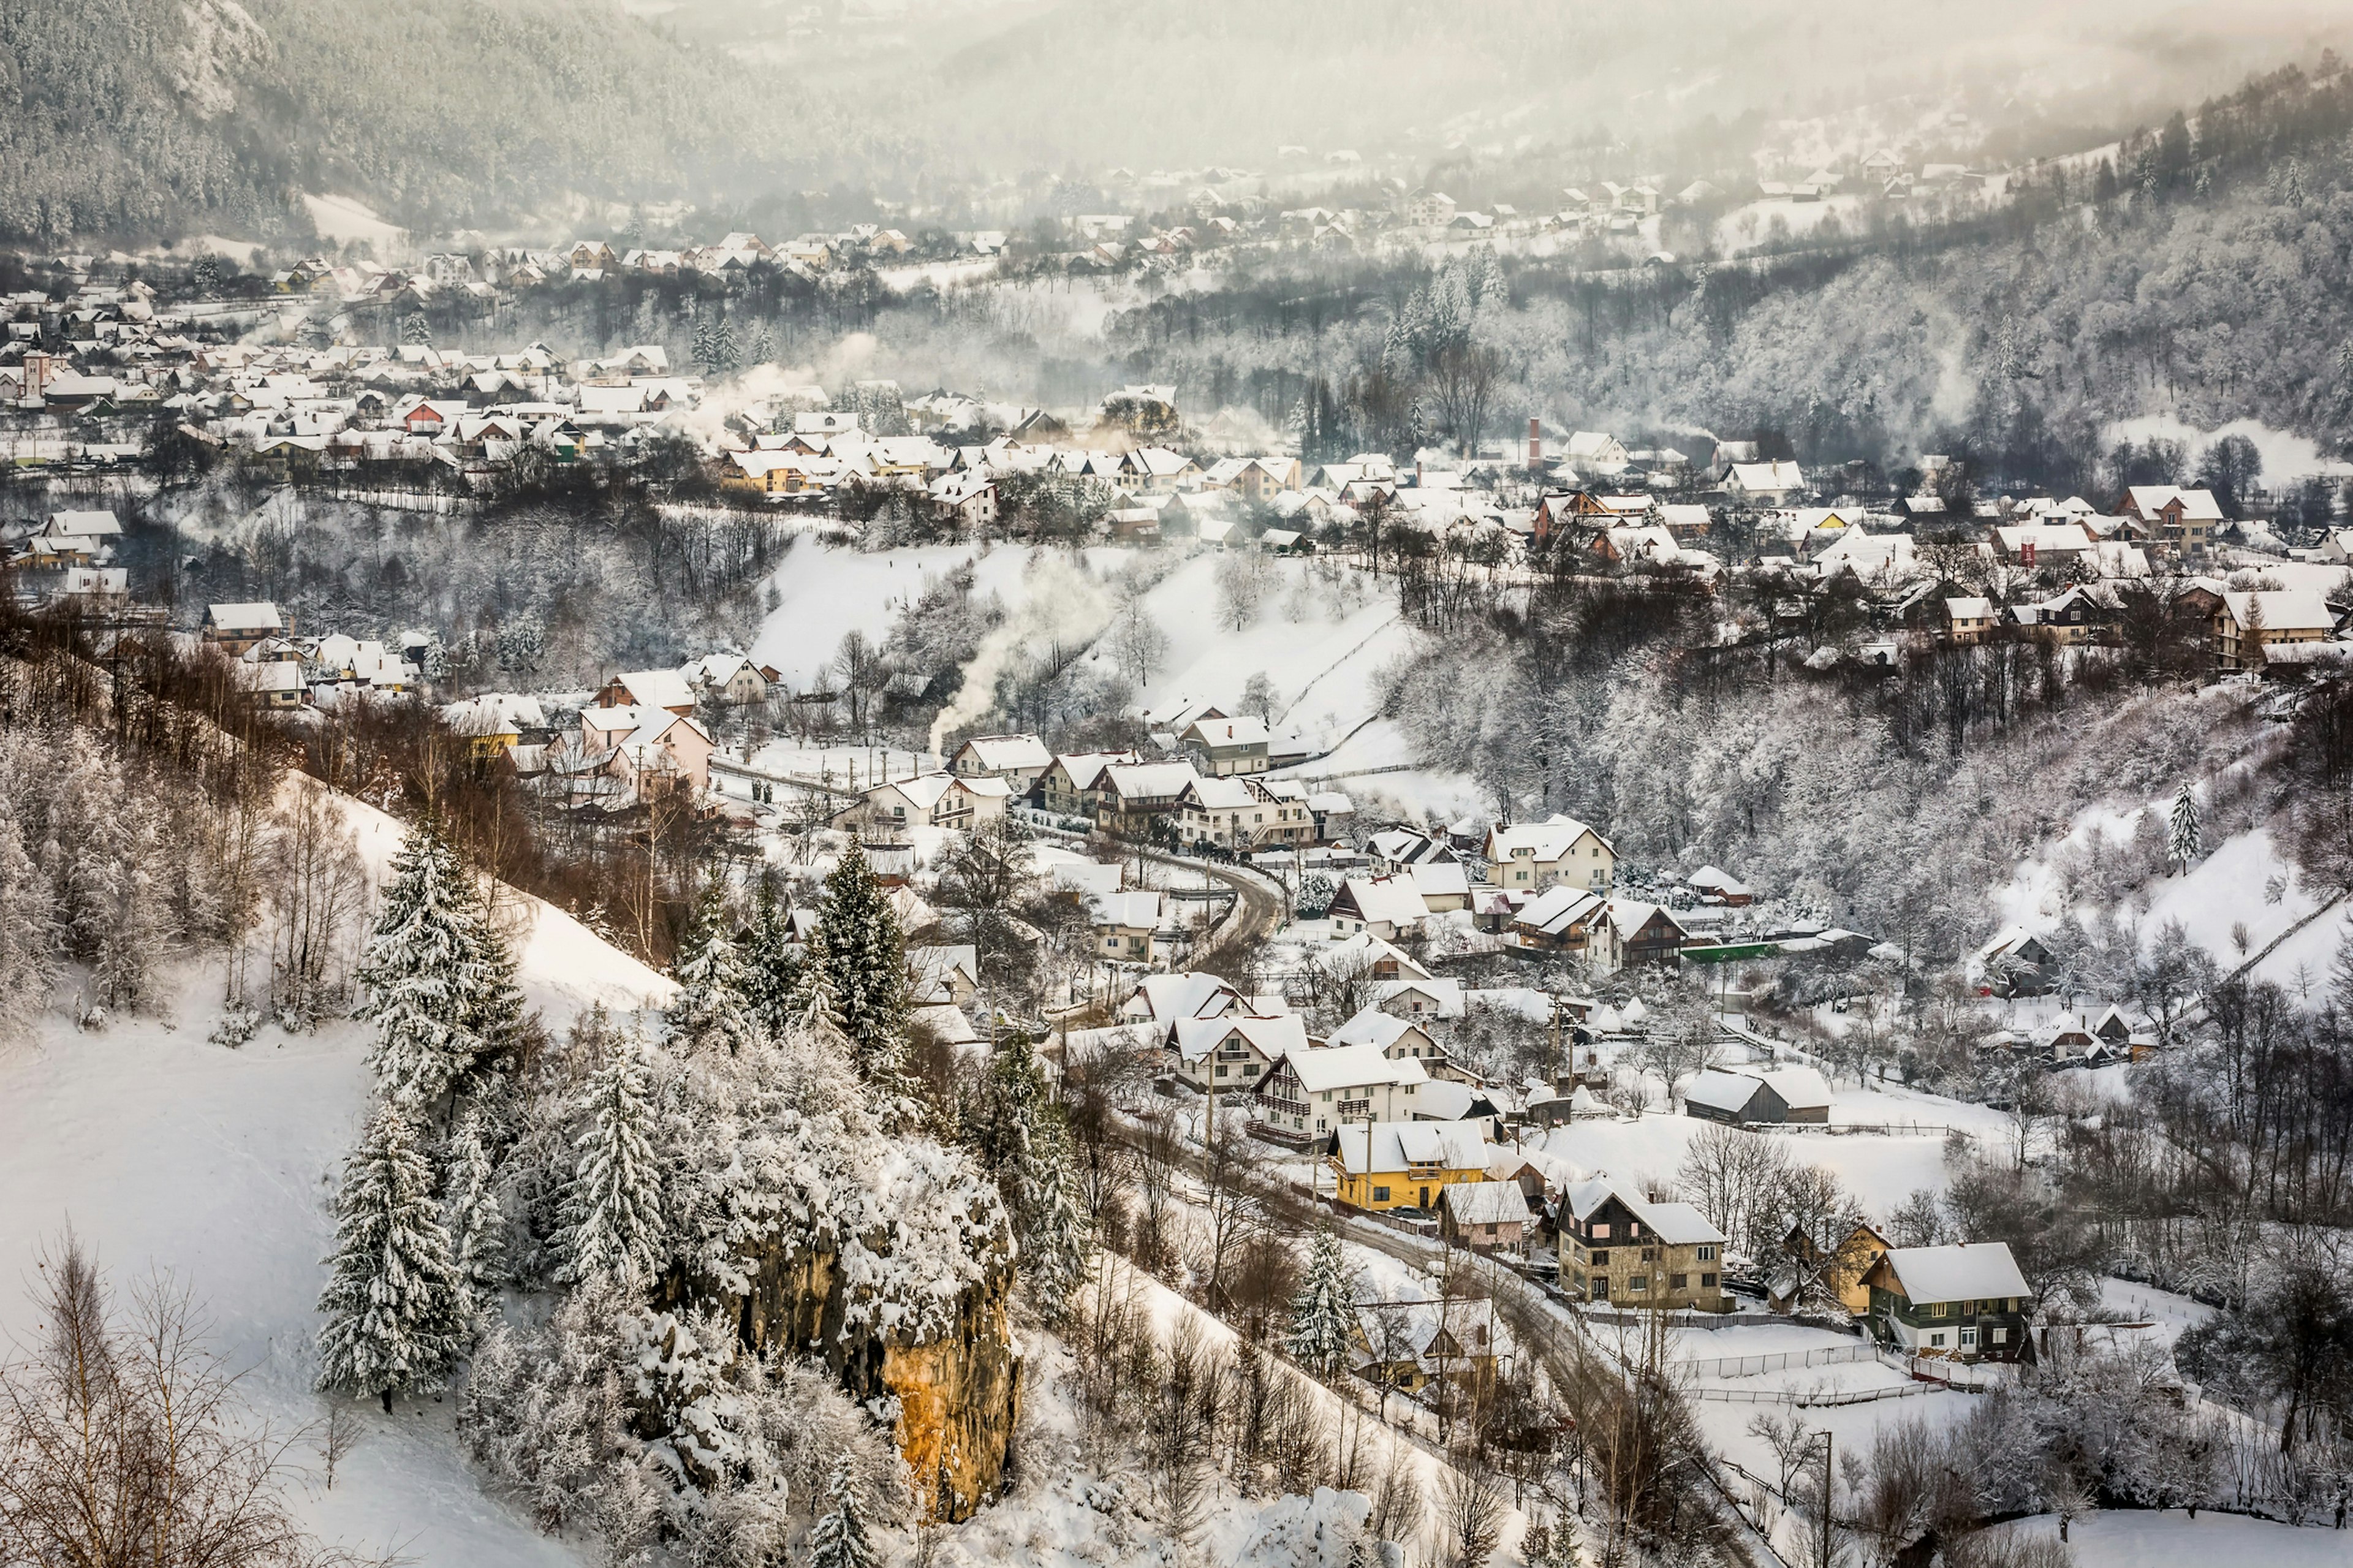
(1406, 1165)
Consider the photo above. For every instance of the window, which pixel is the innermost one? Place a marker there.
(1935, 1342)
(1941, 1310)
(1639, 1284)
(1221, 1069)
(1601, 1231)
(1707, 1255)
(1650, 1255)
(1380, 1195)
(1968, 1339)
(1601, 1257)
(1677, 1281)
(1707, 1281)
(1997, 1336)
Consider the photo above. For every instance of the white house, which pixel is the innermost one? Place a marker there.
(1527, 857)
(1313, 1091)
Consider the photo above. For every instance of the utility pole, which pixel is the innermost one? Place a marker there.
(1827, 1441)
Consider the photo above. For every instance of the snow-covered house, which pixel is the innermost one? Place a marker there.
(1966, 1301)
(729, 678)
(1528, 856)
(1232, 1054)
(1384, 907)
(1485, 1216)
(1765, 483)
(663, 688)
(1570, 920)
(934, 800)
(233, 628)
(1127, 925)
(1620, 1248)
(1018, 760)
(1406, 1165)
(1311, 1092)
(1768, 1095)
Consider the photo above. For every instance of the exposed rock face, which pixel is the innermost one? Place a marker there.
(958, 1392)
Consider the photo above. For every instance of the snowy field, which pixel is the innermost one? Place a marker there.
(2145, 1539)
(163, 1151)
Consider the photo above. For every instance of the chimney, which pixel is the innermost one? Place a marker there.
(1535, 444)
(1416, 473)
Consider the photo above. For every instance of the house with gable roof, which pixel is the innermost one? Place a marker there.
(1966, 1301)
(1385, 907)
(1620, 1248)
(1386, 1165)
(1232, 1054)
(1529, 857)
(1019, 760)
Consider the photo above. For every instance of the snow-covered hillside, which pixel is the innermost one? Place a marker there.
(164, 1152)
(1321, 638)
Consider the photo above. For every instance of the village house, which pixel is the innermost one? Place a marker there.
(1163, 1000)
(664, 689)
(2185, 520)
(1765, 484)
(233, 628)
(1529, 857)
(948, 975)
(1221, 747)
(1397, 1038)
(1384, 907)
(1571, 921)
(1769, 1095)
(644, 749)
(933, 800)
(1485, 1216)
(1970, 618)
(1018, 760)
(271, 682)
(1647, 934)
(496, 722)
(2247, 626)
(1133, 797)
(1313, 1091)
(1127, 926)
(1966, 1301)
(1373, 957)
(1422, 1345)
(1716, 886)
(1620, 1249)
(1240, 814)
(730, 678)
(1073, 785)
(1405, 1164)
(1232, 1053)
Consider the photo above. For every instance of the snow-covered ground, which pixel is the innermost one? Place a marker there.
(2147, 1538)
(161, 1151)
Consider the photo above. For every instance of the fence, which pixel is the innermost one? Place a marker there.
(1778, 1361)
(1813, 1400)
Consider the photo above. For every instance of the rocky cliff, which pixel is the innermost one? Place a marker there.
(957, 1389)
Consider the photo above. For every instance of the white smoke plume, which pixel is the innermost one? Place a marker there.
(1061, 606)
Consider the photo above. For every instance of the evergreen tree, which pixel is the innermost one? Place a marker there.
(772, 971)
(416, 330)
(1021, 1137)
(865, 965)
(1323, 1309)
(2185, 836)
(422, 976)
(27, 927)
(612, 1210)
(392, 1301)
(477, 1247)
(713, 1011)
(839, 1540)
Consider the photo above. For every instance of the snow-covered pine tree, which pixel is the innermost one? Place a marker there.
(500, 1016)
(839, 1540)
(1321, 1311)
(613, 1224)
(476, 1228)
(772, 971)
(391, 1301)
(2185, 833)
(421, 974)
(27, 927)
(1022, 1139)
(712, 1012)
(866, 966)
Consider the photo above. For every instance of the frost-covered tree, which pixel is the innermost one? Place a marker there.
(394, 1317)
(27, 927)
(1323, 1311)
(839, 1537)
(415, 330)
(772, 969)
(2184, 831)
(422, 974)
(713, 1010)
(612, 1209)
(1024, 1141)
(865, 962)
(476, 1228)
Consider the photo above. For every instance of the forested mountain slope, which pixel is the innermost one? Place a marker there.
(177, 116)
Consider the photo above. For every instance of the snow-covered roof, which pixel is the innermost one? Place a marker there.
(1340, 1067)
(1544, 841)
(1726, 1091)
(1372, 1027)
(1445, 995)
(1274, 1038)
(1715, 880)
(1560, 907)
(1395, 1145)
(1184, 994)
(1393, 899)
(1135, 910)
(1962, 1272)
(1677, 1225)
(1801, 1087)
(261, 616)
(657, 688)
(1364, 949)
(1486, 1203)
(1440, 879)
(1008, 752)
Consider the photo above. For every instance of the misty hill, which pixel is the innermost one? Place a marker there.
(182, 116)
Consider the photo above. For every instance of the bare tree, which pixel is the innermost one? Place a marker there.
(1470, 1516)
(318, 885)
(339, 1434)
(123, 1440)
